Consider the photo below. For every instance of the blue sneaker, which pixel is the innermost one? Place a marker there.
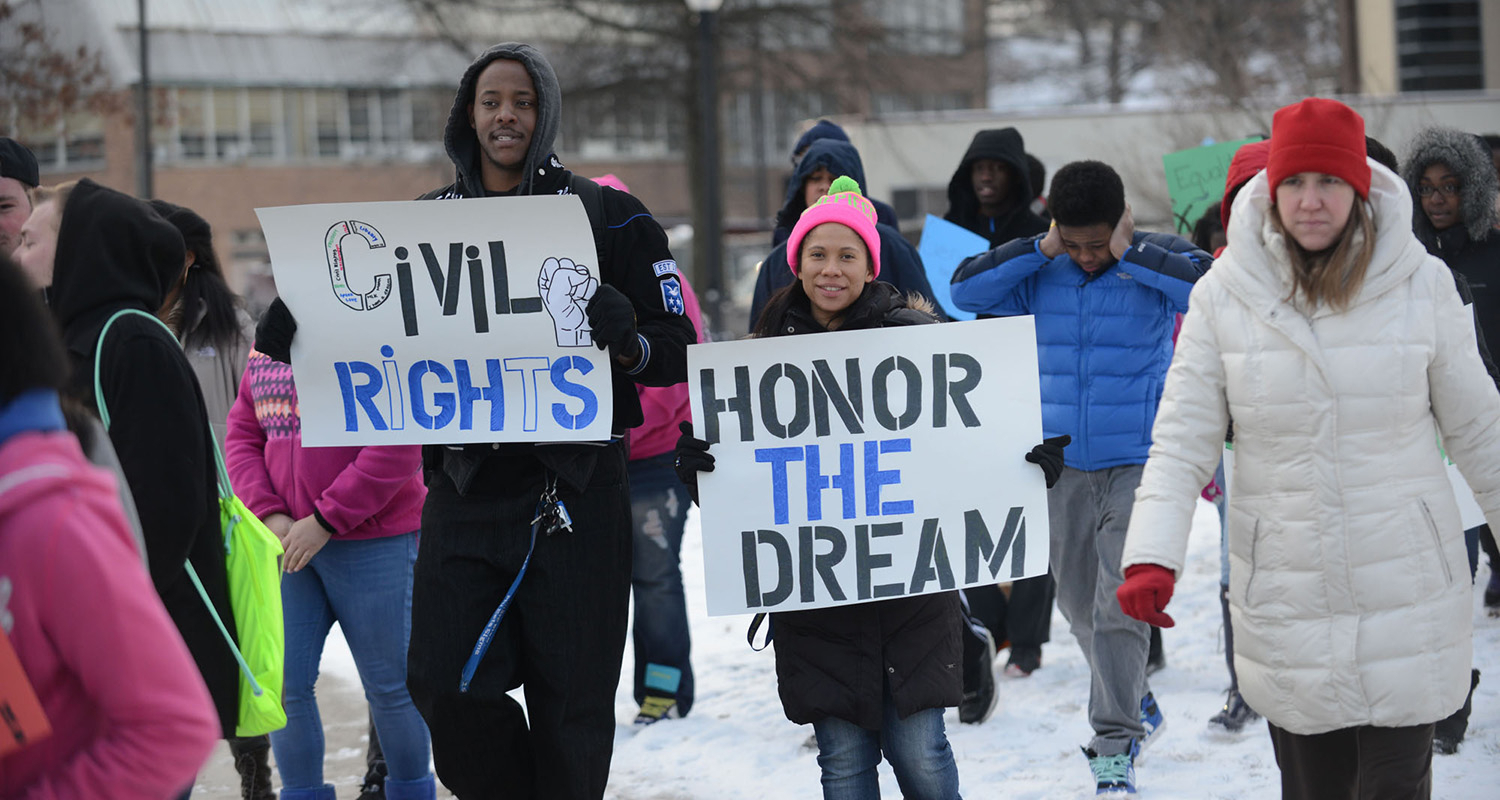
(1152, 719)
(1113, 774)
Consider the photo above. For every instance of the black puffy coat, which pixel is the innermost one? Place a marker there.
(114, 252)
(834, 662)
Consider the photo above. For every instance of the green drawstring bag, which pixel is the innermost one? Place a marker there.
(251, 554)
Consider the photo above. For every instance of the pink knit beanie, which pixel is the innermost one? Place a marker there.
(845, 205)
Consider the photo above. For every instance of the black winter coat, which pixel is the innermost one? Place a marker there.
(1007, 146)
(115, 252)
(835, 662)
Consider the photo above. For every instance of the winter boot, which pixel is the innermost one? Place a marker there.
(1152, 720)
(980, 697)
(251, 761)
(661, 695)
(1449, 733)
(373, 787)
(1024, 660)
(1234, 716)
(424, 788)
(324, 792)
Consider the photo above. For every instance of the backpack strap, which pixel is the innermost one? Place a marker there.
(592, 195)
(224, 490)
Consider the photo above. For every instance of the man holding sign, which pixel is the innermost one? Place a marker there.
(557, 515)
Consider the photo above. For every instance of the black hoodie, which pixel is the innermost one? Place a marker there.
(839, 157)
(633, 257)
(1005, 145)
(114, 252)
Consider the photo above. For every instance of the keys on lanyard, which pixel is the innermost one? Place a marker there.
(552, 514)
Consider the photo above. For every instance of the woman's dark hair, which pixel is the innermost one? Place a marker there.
(1086, 193)
(774, 309)
(30, 345)
(1377, 150)
(1205, 228)
(203, 286)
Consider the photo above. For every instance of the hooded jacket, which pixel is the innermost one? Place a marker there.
(1346, 552)
(900, 265)
(1248, 160)
(1007, 146)
(834, 662)
(839, 157)
(114, 252)
(1103, 340)
(129, 714)
(1472, 246)
(633, 257)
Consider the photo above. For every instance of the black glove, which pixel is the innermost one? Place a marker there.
(692, 458)
(1049, 456)
(612, 319)
(275, 331)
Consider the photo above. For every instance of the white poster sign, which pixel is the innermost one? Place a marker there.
(862, 465)
(445, 321)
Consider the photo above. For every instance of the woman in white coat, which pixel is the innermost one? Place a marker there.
(1340, 349)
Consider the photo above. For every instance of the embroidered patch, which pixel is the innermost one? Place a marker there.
(671, 296)
(668, 267)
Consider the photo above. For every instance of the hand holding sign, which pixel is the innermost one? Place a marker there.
(566, 288)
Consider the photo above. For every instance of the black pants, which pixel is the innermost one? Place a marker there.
(1023, 619)
(562, 638)
(1363, 763)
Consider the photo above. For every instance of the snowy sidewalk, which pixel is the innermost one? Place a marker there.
(737, 745)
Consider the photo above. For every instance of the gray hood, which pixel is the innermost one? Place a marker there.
(463, 145)
(1469, 158)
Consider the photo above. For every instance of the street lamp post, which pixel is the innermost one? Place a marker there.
(709, 180)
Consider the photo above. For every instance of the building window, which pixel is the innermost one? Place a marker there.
(781, 114)
(904, 103)
(1438, 46)
(925, 27)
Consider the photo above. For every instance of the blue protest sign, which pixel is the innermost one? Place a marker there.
(943, 246)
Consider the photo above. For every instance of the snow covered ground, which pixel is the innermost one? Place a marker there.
(737, 745)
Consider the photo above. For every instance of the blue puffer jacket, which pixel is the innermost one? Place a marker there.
(1103, 341)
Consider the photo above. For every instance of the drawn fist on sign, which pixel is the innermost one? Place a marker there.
(566, 288)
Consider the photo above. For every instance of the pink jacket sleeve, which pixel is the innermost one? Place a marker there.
(368, 484)
(110, 629)
(245, 455)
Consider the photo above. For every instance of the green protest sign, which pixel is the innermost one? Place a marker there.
(1195, 179)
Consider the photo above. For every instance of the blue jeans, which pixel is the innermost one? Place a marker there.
(658, 507)
(917, 748)
(364, 585)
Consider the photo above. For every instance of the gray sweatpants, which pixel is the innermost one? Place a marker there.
(1089, 514)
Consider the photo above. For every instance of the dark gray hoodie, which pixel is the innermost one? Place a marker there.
(463, 146)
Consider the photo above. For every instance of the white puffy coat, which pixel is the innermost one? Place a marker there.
(1346, 554)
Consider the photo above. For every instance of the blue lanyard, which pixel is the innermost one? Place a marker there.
(550, 509)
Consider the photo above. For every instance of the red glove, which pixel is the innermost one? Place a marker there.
(1145, 593)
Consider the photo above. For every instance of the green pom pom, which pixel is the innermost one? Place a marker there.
(844, 183)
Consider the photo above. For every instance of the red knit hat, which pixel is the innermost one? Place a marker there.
(1318, 135)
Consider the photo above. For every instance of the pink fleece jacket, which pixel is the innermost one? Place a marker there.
(130, 715)
(664, 406)
(362, 492)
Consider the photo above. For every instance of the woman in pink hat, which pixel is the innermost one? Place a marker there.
(872, 678)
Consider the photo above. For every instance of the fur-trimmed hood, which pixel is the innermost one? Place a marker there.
(1467, 156)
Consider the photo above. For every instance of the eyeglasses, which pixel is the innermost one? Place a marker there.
(1449, 189)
